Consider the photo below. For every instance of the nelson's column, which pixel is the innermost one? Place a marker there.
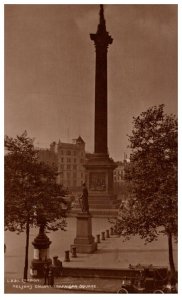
(99, 168)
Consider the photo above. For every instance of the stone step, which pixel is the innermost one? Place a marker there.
(100, 204)
(120, 273)
(102, 198)
(103, 213)
(95, 201)
(100, 201)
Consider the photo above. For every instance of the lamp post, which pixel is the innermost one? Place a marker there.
(41, 250)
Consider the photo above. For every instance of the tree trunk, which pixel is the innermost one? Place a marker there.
(171, 261)
(26, 250)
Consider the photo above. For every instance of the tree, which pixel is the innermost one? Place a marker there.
(32, 197)
(153, 175)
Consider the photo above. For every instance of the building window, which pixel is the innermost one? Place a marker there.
(68, 160)
(61, 166)
(68, 152)
(74, 160)
(74, 174)
(62, 159)
(62, 152)
(68, 167)
(74, 167)
(68, 175)
(81, 161)
(74, 153)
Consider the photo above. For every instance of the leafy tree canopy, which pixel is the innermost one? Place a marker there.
(153, 174)
(31, 192)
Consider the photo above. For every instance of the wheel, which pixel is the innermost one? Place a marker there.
(122, 291)
(158, 292)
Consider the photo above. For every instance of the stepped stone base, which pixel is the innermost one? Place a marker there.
(96, 213)
(103, 201)
(100, 203)
(99, 178)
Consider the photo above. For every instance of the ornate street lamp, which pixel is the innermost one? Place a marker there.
(41, 249)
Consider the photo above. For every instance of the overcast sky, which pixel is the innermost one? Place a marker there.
(50, 69)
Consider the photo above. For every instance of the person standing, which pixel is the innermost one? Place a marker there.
(46, 272)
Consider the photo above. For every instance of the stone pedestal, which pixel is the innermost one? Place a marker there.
(99, 178)
(84, 241)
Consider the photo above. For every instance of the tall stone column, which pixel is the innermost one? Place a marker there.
(101, 40)
(99, 168)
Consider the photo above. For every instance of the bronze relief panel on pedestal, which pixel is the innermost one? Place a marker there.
(97, 181)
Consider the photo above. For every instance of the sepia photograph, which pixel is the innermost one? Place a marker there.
(90, 148)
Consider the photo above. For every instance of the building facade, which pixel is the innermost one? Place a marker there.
(69, 160)
(119, 174)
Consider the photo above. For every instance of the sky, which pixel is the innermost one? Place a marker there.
(50, 69)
